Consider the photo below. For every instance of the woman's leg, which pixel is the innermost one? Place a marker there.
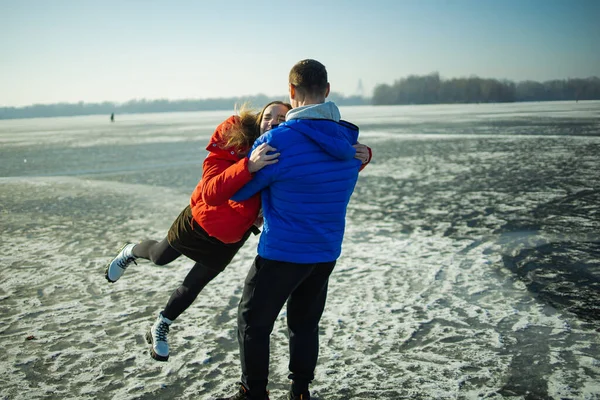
(160, 253)
(198, 277)
(212, 257)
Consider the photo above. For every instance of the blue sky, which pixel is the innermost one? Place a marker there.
(117, 50)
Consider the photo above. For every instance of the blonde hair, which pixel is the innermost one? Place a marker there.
(247, 127)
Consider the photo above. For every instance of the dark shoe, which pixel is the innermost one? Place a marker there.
(298, 389)
(303, 396)
(244, 394)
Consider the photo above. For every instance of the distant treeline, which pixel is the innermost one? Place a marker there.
(431, 89)
(427, 89)
(152, 106)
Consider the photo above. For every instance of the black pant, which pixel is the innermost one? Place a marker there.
(267, 287)
(218, 256)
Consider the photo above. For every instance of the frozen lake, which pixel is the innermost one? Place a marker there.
(470, 267)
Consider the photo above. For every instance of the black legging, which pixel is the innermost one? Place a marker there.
(161, 253)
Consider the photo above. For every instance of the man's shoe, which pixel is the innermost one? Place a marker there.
(116, 268)
(298, 389)
(244, 394)
(302, 396)
(157, 337)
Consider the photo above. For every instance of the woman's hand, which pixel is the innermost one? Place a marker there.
(362, 152)
(259, 157)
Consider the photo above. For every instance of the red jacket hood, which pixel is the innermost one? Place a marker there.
(224, 173)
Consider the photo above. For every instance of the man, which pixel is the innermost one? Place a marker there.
(304, 199)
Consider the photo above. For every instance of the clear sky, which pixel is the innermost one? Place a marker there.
(117, 50)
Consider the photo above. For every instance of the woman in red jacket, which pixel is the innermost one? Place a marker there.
(212, 228)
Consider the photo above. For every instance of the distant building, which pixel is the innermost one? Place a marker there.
(360, 91)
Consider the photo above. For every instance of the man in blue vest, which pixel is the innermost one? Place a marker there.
(304, 200)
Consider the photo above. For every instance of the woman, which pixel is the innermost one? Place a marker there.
(211, 229)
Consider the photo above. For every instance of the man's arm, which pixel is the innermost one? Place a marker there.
(260, 180)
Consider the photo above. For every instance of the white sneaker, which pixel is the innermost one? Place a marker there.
(157, 337)
(116, 268)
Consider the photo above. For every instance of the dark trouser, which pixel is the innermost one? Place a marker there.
(267, 287)
(218, 256)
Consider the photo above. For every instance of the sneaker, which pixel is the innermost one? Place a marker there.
(303, 396)
(244, 394)
(116, 268)
(157, 337)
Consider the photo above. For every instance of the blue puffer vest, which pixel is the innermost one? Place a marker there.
(306, 193)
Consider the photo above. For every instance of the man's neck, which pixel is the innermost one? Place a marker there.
(308, 102)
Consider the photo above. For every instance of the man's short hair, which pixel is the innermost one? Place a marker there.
(309, 77)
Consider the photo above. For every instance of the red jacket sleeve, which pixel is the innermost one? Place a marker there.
(368, 161)
(222, 178)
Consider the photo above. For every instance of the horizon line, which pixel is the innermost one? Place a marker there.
(241, 97)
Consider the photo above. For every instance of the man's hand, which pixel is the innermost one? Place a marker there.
(362, 152)
(259, 157)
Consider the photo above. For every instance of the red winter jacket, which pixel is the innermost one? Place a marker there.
(224, 173)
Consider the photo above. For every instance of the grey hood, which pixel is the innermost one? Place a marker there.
(327, 110)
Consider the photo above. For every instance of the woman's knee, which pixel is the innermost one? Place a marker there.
(162, 253)
(159, 259)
